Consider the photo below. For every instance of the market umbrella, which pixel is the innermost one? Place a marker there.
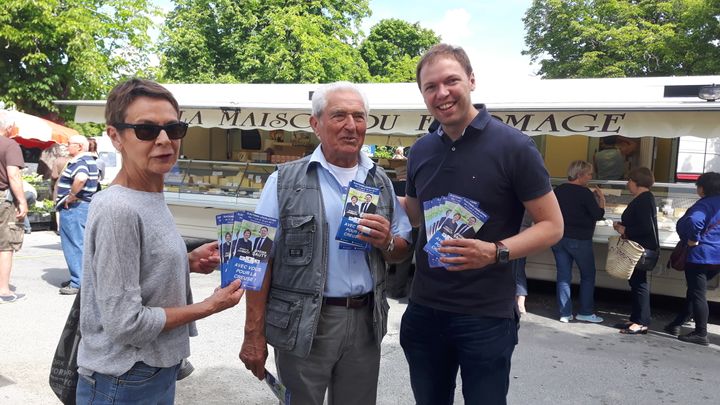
(34, 132)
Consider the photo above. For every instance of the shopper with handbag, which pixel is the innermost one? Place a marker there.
(136, 310)
(699, 227)
(639, 224)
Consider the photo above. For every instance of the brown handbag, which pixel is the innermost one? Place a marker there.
(678, 257)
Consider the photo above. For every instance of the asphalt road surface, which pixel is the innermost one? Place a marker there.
(555, 363)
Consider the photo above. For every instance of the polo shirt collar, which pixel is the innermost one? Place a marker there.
(479, 122)
(80, 156)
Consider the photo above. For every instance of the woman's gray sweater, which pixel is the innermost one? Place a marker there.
(135, 264)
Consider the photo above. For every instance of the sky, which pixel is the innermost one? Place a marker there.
(490, 31)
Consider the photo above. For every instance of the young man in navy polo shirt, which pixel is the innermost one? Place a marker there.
(464, 316)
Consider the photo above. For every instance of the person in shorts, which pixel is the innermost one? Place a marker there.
(13, 208)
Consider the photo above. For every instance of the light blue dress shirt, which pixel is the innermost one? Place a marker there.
(348, 271)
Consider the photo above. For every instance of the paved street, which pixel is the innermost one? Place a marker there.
(555, 363)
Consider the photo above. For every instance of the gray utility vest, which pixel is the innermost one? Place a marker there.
(300, 265)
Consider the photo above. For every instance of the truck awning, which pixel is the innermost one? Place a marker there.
(631, 107)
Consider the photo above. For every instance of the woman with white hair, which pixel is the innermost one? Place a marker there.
(581, 208)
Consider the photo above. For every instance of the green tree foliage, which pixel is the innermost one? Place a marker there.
(69, 49)
(393, 49)
(617, 38)
(256, 41)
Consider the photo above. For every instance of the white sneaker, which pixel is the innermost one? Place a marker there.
(589, 318)
(566, 319)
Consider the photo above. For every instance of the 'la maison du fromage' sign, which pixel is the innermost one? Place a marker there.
(662, 124)
(407, 122)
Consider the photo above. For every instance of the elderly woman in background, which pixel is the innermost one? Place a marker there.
(581, 208)
(639, 224)
(700, 229)
(137, 312)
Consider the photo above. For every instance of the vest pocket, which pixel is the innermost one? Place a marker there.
(282, 318)
(299, 234)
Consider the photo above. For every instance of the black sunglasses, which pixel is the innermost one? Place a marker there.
(148, 132)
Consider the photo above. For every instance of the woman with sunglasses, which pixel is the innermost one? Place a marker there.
(137, 311)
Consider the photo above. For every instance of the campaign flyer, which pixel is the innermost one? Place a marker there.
(277, 388)
(430, 213)
(242, 240)
(360, 199)
(224, 224)
(463, 220)
(250, 267)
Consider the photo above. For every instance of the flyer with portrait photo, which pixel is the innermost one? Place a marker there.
(430, 210)
(224, 224)
(251, 268)
(242, 240)
(277, 388)
(360, 199)
(462, 220)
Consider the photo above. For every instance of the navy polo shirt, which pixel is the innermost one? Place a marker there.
(499, 167)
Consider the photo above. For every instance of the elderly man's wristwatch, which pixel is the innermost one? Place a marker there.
(502, 253)
(391, 246)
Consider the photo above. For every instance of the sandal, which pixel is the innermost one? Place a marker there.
(623, 325)
(641, 330)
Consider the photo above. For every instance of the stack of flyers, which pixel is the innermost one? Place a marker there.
(245, 247)
(360, 199)
(280, 391)
(450, 217)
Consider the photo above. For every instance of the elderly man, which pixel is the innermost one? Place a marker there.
(75, 188)
(322, 307)
(13, 208)
(466, 317)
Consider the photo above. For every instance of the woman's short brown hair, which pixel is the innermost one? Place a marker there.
(122, 95)
(642, 176)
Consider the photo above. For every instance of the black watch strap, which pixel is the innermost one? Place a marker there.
(502, 253)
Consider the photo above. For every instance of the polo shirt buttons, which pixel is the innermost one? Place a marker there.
(452, 149)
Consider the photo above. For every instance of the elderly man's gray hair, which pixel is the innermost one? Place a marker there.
(319, 98)
(5, 120)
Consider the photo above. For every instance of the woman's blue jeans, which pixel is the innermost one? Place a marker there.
(142, 384)
(580, 251)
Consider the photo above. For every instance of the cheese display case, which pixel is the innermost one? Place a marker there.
(196, 190)
(672, 200)
(216, 178)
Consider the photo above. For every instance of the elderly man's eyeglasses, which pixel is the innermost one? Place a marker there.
(148, 132)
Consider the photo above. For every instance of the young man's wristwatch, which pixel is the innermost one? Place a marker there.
(502, 253)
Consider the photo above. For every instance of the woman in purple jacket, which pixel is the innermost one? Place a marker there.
(700, 227)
